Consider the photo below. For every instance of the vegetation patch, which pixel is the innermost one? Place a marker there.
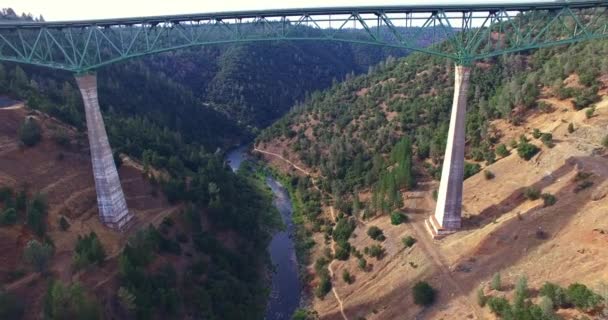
(424, 294)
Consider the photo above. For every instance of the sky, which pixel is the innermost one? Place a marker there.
(54, 10)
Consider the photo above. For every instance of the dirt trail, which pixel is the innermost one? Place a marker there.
(21, 282)
(431, 250)
(284, 159)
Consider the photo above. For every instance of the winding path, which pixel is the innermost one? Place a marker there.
(430, 249)
(284, 159)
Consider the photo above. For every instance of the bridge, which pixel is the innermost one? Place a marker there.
(462, 33)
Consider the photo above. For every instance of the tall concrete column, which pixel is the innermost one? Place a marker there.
(111, 202)
(449, 198)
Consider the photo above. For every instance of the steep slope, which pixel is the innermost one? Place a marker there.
(346, 138)
(199, 250)
(62, 173)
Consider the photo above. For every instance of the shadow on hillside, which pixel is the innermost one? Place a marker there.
(516, 198)
(502, 248)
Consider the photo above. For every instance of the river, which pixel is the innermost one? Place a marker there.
(286, 288)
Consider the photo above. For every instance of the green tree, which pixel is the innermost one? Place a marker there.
(347, 277)
(88, 250)
(36, 214)
(8, 217)
(424, 294)
(11, 307)
(375, 233)
(496, 283)
(501, 150)
(38, 255)
(526, 150)
(69, 302)
(30, 132)
(408, 241)
(582, 297)
(555, 293)
(398, 218)
(303, 314)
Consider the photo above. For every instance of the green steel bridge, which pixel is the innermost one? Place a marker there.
(462, 33)
(473, 31)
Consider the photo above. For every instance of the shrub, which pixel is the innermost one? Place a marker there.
(64, 225)
(342, 252)
(548, 199)
(545, 107)
(605, 141)
(362, 263)
(408, 241)
(347, 277)
(323, 287)
(571, 128)
(303, 314)
(61, 138)
(582, 186)
(555, 293)
(536, 133)
(11, 307)
(532, 193)
(88, 251)
(36, 214)
(582, 297)
(501, 150)
(344, 228)
(589, 112)
(489, 175)
(424, 294)
(38, 255)
(584, 98)
(69, 302)
(471, 169)
(376, 251)
(375, 233)
(481, 298)
(5, 193)
(526, 150)
(500, 306)
(30, 132)
(496, 282)
(8, 217)
(547, 139)
(513, 143)
(546, 306)
(398, 218)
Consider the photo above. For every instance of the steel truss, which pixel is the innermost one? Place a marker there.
(460, 33)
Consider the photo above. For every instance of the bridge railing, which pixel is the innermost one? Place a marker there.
(461, 34)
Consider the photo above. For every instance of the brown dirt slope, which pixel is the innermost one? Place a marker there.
(64, 175)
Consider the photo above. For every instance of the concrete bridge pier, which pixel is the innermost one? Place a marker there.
(113, 211)
(447, 218)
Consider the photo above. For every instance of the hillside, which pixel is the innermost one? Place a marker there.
(364, 139)
(62, 173)
(180, 256)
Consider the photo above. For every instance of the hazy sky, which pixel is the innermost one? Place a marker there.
(94, 9)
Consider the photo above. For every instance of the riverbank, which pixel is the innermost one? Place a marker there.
(286, 288)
